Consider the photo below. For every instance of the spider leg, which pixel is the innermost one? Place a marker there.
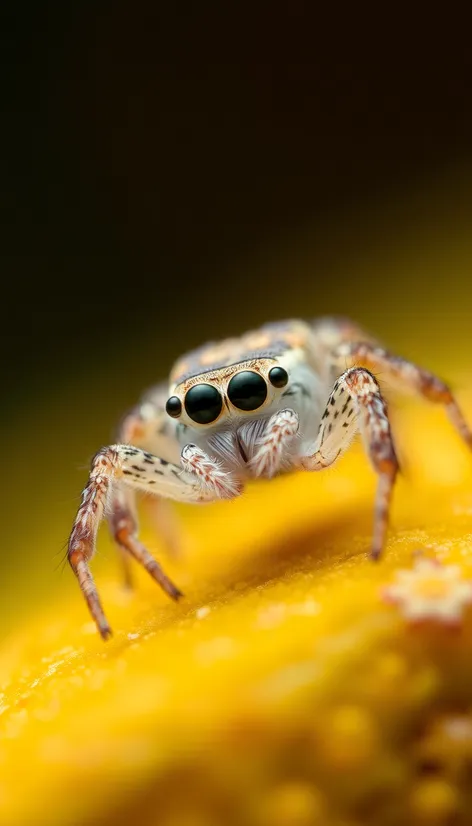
(122, 517)
(145, 426)
(125, 529)
(405, 375)
(129, 466)
(355, 404)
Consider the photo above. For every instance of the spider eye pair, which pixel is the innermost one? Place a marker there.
(246, 391)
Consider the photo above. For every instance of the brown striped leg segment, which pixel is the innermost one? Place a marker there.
(407, 375)
(122, 510)
(198, 479)
(112, 468)
(124, 529)
(357, 404)
(144, 426)
(82, 538)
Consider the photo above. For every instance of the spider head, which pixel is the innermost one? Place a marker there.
(234, 391)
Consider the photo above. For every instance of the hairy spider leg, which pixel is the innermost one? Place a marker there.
(199, 479)
(356, 403)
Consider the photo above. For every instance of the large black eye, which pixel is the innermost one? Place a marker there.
(247, 390)
(278, 376)
(203, 403)
(174, 407)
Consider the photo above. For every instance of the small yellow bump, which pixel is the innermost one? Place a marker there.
(291, 804)
(424, 685)
(98, 679)
(350, 737)
(15, 724)
(392, 668)
(76, 680)
(433, 802)
(387, 681)
(23, 699)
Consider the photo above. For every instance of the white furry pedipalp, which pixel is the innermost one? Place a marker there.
(273, 450)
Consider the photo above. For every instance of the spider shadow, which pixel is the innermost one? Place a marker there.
(302, 551)
(313, 548)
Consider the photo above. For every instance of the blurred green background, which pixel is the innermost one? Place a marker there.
(183, 172)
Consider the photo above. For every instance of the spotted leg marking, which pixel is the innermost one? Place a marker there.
(146, 425)
(130, 466)
(124, 528)
(357, 404)
(406, 375)
(213, 482)
(272, 449)
(122, 514)
(83, 535)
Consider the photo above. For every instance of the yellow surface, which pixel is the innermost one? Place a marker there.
(282, 690)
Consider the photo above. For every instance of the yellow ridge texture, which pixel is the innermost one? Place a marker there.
(284, 690)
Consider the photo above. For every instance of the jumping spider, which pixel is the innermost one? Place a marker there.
(289, 395)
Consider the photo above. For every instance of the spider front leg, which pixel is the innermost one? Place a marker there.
(125, 465)
(357, 404)
(145, 426)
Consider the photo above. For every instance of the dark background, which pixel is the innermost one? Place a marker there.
(152, 150)
(176, 172)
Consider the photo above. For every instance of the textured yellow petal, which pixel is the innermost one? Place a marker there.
(282, 689)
